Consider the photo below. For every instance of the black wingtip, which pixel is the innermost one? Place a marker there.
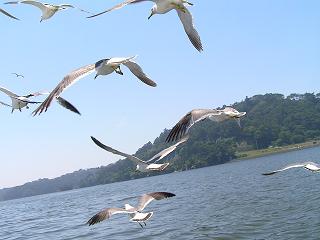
(268, 174)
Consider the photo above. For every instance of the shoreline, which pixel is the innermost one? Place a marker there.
(275, 150)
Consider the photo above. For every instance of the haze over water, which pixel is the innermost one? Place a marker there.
(229, 201)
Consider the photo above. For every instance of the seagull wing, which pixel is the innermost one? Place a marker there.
(118, 6)
(8, 92)
(183, 126)
(66, 6)
(25, 100)
(149, 197)
(66, 82)
(8, 14)
(105, 214)
(167, 151)
(119, 60)
(4, 104)
(187, 21)
(39, 5)
(138, 72)
(64, 103)
(114, 151)
(297, 165)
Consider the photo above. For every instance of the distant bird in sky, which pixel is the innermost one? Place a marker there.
(144, 166)
(135, 213)
(164, 6)
(8, 14)
(48, 10)
(311, 166)
(102, 67)
(18, 75)
(19, 102)
(197, 115)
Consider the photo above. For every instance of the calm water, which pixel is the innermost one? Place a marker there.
(230, 201)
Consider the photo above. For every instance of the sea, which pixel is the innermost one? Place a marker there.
(228, 201)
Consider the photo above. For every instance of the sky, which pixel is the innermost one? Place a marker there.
(250, 47)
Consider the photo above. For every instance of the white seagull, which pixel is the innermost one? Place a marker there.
(8, 14)
(197, 115)
(144, 166)
(164, 6)
(311, 166)
(135, 213)
(19, 102)
(48, 10)
(102, 67)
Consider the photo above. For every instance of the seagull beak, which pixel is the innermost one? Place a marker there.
(150, 15)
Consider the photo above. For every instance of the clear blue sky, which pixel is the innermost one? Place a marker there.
(250, 47)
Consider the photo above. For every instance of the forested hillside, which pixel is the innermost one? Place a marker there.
(271, 120)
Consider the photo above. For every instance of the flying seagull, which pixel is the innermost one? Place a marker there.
(197, 115)
(19, 102)
(48, 10)
(18, 75)
(135, 213)
(144, 166)
(8, 14)
(102, 67)
(311, 166)
(164, 6)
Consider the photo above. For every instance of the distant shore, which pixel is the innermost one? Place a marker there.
(275, 150)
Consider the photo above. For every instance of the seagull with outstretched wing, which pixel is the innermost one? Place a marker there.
(164, 6)
(144, 166)
(102, 67)
(311, 166)
(197, 115)
(135, 213)
(48, 10)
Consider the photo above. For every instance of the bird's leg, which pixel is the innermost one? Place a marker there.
(140, 225)
(27, 107)
(179, 7)
(118, 70)
(145, 224)
(12, 110)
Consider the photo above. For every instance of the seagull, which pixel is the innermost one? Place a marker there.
(164, 6)
(144, 166)
(135, 213)
(19, 102)
(311, 166)
(48, 10)
(8, 14)
(102, 67)
(197, 115)
(18, 75)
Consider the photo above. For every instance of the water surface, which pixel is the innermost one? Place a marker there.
(229, 201)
